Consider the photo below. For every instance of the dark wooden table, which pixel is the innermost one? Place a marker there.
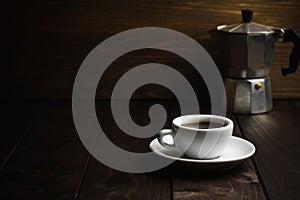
(42, 157)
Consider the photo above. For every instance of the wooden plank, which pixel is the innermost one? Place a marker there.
(103, 182)
(45, 42)
(14, 118)
(297, 104)
(17, 120)
(49, 162)
(240, 182)
(276, 136)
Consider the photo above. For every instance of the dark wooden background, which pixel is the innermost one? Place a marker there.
(44, 42)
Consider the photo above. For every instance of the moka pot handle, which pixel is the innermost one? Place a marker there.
(292, 36)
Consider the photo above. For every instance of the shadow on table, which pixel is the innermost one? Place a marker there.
(181, 171)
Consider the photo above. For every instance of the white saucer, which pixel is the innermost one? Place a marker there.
(237, 150)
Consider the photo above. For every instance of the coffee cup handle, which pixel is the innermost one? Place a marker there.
(166, 138)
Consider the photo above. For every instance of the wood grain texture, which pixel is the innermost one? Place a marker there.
(102, 182)
(49, 162)
(44, 42)
(276, 136)
(240, 182)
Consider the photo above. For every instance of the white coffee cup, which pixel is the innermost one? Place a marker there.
(198, 136)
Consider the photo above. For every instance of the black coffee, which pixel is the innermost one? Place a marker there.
(203, 124)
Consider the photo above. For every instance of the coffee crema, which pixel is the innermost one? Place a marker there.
(203, 124)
